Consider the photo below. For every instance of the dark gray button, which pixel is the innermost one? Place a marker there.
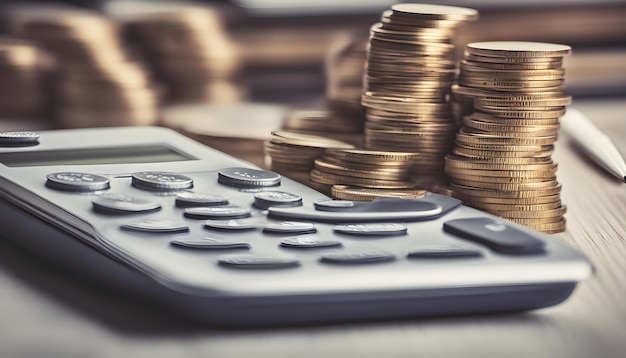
(18, 139)
(161, 181)
(209, 243)
(218, 212)
(308, 242)
(381, 229)
(111, 203)
(246, 177)
(74, 181)
(188, 198)
(156, 226)
(290, 227)
(265, 199)
(498, 235)
(242, 224)
(444, 251)
(362, 257)
(257, 262)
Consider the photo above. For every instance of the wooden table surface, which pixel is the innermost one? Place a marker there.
(44, 313)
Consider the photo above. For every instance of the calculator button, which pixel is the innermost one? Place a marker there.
(290, 227)
(235, 225)
(218, 212)
(308, 242)
(77, 182)
(161, 181)
(495, 234)
(188, 198)
(265, 199)
(332, 205)
(382, 229)
(246, 177)
(156, 226)
(121, 203)
(447, 251)
(257, 262)
(18, 139)
(209, 243)
(362, 257)
(383, 209)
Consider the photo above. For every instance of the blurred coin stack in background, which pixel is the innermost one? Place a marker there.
(188, 48)
(409, 69)
(293, 155)
(363, 175)
(22, 79)
(97, 82)
(344, 66)
(502, 159)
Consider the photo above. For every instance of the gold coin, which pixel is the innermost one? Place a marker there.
(518, 49)
(470, 191)
(514, 207)
(489, 118)
(556, 213)
(332, 179)
(488, 153)
(307, 140)
(544, 102)
(370, 156)
(529, 114)
(379, 174)
(344, 192)
(544, 173)
(496, 142)
(458, 177)
(506, 187)
(453, 161)
(504, 128)
(433, 12)
(473, 199)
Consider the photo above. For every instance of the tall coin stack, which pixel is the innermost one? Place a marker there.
(344, 84)
(98, 82)
(189, 49)
(22, 79)
(501, 162)
(409, 69)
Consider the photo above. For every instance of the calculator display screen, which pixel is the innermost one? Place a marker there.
(93, 156)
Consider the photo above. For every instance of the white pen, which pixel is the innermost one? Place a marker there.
(597, 145)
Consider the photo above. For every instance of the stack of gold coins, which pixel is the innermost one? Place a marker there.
(344, 67)
(293, 155)
(357, 168)
(22, 76)
(98, 83)
(188, 47)
(501, 162)
(409, 69)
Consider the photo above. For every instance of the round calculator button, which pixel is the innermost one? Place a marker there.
(155, 226)
(246, 177)
(188, 198)
(360, 257)
(209, 243)
(332, 205)
(111, 203)
(18, 139)
(265, 199)
(257, 262)
(444, 251)
(218, 212)
(290, 227)
(75, 181)
(161, 181)
(233, 224)
(308, 242)
(380, 229)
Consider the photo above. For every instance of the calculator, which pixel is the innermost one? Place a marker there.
(154, 214)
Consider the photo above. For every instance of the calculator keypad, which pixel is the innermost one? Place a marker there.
(210, 223)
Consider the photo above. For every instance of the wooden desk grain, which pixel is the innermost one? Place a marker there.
(45, 314)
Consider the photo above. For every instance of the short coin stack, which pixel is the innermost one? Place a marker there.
(188, 47)
(99, 83)
(364, 169)
(293, 155)
(501, 162)
(409, 69)
(22, 79)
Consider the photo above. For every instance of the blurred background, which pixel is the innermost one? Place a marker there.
(229, 72)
